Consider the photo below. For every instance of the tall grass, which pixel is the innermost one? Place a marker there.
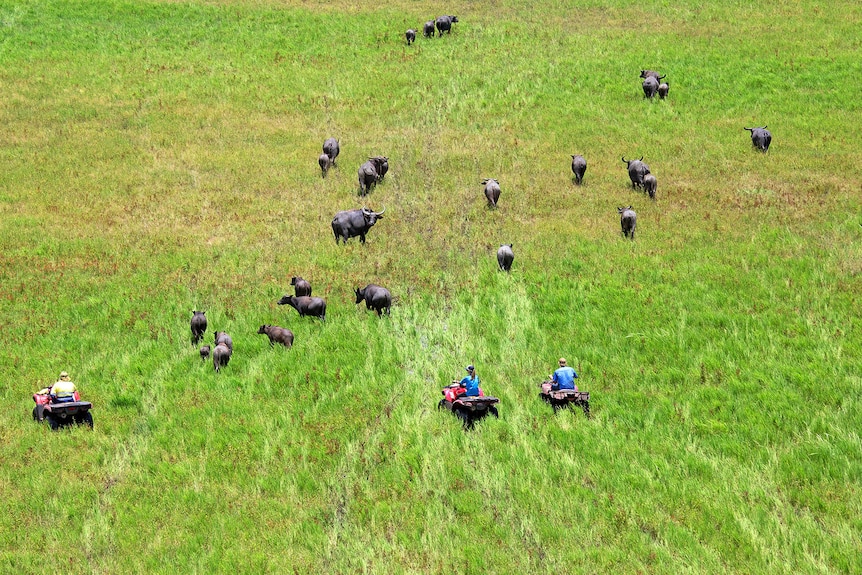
(159, 157)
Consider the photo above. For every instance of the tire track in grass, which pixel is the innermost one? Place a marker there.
(97, 525)
(430, 341)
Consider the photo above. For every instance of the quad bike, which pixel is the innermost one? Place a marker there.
(59, 412)
(563, 398)
(469, 409)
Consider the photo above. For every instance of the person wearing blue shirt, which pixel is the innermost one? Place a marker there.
(471, 382)
(564, 377)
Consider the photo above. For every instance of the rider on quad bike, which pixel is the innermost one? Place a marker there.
(560, 390)
(467, 400)
(61, 404)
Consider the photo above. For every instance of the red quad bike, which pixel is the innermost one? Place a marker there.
(61, 412)
(469, 409)
(563, 398)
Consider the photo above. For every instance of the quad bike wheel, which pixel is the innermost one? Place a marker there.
(52, 421)
(85, 419)
(464, 416)
(493, 411)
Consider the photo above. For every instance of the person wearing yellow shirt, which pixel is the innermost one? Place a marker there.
(63, 390)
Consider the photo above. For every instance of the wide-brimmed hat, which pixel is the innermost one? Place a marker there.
(64, 376)
(562, 361)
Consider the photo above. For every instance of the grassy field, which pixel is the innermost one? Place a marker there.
(160, 157)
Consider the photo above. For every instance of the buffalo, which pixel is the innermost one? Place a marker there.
(637, 170)
(662, 90)
(492, 191)
(325, 162)
(410, 35)
(205, 351)
(628, 221)
(198, 326)
(505, 257)
(351, 223)
(382, 166)
(277, 335)
(223, 338)
(650, 86)
(300, 286)
(371, 172)
(375, 297)
(650, 185)
(331, 149)
(428, 29)
(579, 167)
(652, 74)
(444, 24)
(760, 138)
(306, 305)
(221, 356)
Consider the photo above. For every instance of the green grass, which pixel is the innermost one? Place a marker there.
(160, 157)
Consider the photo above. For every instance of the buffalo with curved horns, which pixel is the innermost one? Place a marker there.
(760, 138)
(352, 223)
(637, 170)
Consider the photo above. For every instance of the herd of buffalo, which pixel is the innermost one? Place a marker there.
(375, 297)
(356, 223)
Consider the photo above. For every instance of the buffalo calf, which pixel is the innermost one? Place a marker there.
(306, 305)
(505, 257)
(662, 90)
(650, 185)
(325, 162)
(277, 335)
